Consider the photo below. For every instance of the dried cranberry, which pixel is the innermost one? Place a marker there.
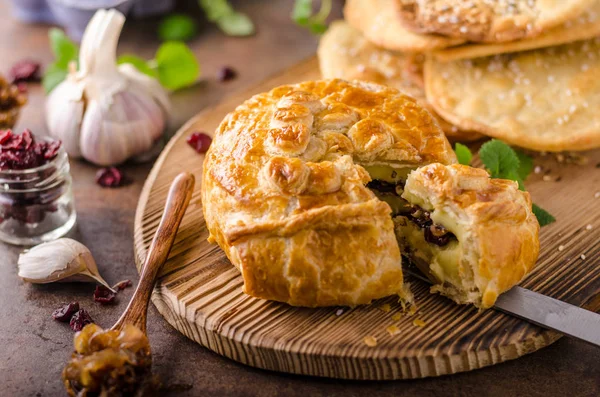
(199, 141)
(65, 312)
(21, 151)
(25, 71)
(104, 296)
(121, 285)
(80, 319)
(226, 73)
(109, 177)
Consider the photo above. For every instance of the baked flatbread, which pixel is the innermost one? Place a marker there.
(490, 21)
(284, 189)
(544, 99)
(345, 53)
(378, 20)
(584, 27)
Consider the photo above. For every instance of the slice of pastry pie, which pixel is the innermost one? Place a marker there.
(285, 194)
(473, 236)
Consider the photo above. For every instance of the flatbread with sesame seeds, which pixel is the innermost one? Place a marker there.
(378, 20)
(544, 99)
(584, 27)
(345, 53)
(491, 21)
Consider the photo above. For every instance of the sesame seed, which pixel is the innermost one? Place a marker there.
(339, 312)
(597, 195)
(582, 257)
(589, 227)
(537, 169)
(561, 248)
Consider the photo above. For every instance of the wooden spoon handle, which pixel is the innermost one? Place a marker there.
(178, 199)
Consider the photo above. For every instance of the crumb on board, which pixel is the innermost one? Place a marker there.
(385, 307)
(397, 316)
(589, 227)
(370, 341)
(561, 247)
(582, 257)
(597, 195)
(417, 322)
(412, 310)
(339, 312)
(393, 330)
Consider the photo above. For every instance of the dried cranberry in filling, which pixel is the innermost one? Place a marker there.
(65, 312)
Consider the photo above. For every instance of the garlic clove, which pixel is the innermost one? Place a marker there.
(151, 85)
(127, 127)
(59, 260)
(64, 113)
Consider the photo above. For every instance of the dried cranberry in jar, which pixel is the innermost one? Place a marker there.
(25, 71)
(65, 312)
(80, 319)
(104, 295)
(199, 141)
(109, 177)
(22, 151)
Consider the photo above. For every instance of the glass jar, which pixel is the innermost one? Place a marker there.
(36, 204)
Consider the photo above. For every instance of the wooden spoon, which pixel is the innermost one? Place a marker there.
(178, 199)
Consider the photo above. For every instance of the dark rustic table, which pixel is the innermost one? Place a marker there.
(34, 348)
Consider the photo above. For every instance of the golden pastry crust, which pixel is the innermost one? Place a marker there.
(543, 100)
(492, 220)
(379, 22)
(285, 198)
(345, 53)
(490, 21)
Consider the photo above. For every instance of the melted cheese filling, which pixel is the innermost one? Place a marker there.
(438, 262)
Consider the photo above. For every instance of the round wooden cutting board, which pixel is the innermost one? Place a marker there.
(200, 293)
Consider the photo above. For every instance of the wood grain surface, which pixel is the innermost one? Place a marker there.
(200, 293)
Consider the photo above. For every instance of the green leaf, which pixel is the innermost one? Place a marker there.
(500, 159)
(525, 164)
(227, 19)
(463, 154)
(236, 24)
(544, 218)
(177, 27)
(53, 76)
(63, 48)
(176, 65)
(215, 9)
(139, 63)
(302, 12)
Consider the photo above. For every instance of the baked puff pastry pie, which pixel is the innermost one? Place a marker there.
(286, 189)
(475, 237)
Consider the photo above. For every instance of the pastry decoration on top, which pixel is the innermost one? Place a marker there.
(285, 193)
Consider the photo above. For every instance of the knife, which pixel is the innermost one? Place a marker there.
(546, 312)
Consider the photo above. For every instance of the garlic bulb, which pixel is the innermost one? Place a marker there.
(59, 260)
(103, 112)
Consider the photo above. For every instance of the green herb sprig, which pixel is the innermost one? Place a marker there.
(303, 15)
(174, 64)
(231, 22)
(504, 162)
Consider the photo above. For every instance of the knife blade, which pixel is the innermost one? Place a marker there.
(546, 312)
